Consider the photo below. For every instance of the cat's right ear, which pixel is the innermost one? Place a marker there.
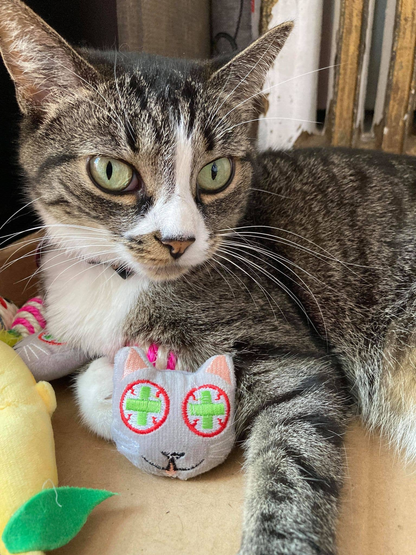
(243, 77)
(221, 366)
(42, 65)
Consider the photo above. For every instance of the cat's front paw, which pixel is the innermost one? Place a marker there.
(94, 391)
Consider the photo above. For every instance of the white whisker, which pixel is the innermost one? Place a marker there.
(265, 292)
(224, 131)
(274, 280)
(269, 192)
(40, 349)
(32, 351)
(239, 280)
(305, 286)
(17, 211)
(272, 87)
(222, 276)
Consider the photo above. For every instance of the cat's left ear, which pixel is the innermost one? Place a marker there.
(221, 366)
(244, 75)
(42, 65)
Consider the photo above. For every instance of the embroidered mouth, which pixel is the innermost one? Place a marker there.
(171, 469)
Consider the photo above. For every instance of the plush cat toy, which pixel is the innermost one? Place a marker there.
(47, 357)
(35, 514)
(173, 423)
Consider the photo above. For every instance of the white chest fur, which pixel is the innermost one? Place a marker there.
(87, 305)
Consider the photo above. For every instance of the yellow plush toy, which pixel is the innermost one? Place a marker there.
(35, 515)
(27, 448)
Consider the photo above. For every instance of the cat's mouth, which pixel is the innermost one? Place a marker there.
(171, 469)
(155, 273)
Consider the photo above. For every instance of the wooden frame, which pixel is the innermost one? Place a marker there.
(393, 121)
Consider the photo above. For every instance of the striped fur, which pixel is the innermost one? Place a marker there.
(303, 268)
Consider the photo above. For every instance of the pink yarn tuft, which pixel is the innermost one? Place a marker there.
(25, 323)
(29, 319)
(35, 312)
(171, 361)
(152, 353)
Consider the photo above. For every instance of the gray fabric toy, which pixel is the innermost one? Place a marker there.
(49, 358)
(173, 423)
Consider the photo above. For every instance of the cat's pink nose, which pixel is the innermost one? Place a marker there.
(176, 246)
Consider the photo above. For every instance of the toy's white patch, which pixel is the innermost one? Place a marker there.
(176, 214)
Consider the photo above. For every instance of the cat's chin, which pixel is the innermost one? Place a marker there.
(164, 273)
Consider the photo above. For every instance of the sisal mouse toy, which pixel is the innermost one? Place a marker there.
(173, 423)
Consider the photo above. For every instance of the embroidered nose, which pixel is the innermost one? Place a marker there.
(176, 246)
(174, 456)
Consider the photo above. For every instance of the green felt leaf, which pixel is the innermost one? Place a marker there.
(51, 518)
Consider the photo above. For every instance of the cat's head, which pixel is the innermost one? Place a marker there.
(134, 160)
(172, 423)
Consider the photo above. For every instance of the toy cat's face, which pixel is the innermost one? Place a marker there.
(171, 423)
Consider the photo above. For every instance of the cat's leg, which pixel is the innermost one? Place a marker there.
(298, 412)
(93, 390)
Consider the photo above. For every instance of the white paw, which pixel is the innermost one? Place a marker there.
(93, 390)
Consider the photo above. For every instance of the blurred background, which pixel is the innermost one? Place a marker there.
(346, 76)
(81, 22)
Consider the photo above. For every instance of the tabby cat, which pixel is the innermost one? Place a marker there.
(164, 225)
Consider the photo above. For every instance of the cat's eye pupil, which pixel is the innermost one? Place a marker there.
(112, 175)
(214, 171)
(109, 170)
(215, 176)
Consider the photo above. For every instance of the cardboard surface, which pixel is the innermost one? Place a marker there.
(159, 516)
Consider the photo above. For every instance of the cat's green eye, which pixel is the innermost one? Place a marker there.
(112, 175)
(215, 176)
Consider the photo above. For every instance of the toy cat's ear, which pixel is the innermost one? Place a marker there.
(221, 366)
(136, 360)
(42, 65)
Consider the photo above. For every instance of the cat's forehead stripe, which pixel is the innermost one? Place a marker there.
(183, 163)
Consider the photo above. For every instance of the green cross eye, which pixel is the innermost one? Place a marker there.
(207, 409)
(144, 405)
(215, 176)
